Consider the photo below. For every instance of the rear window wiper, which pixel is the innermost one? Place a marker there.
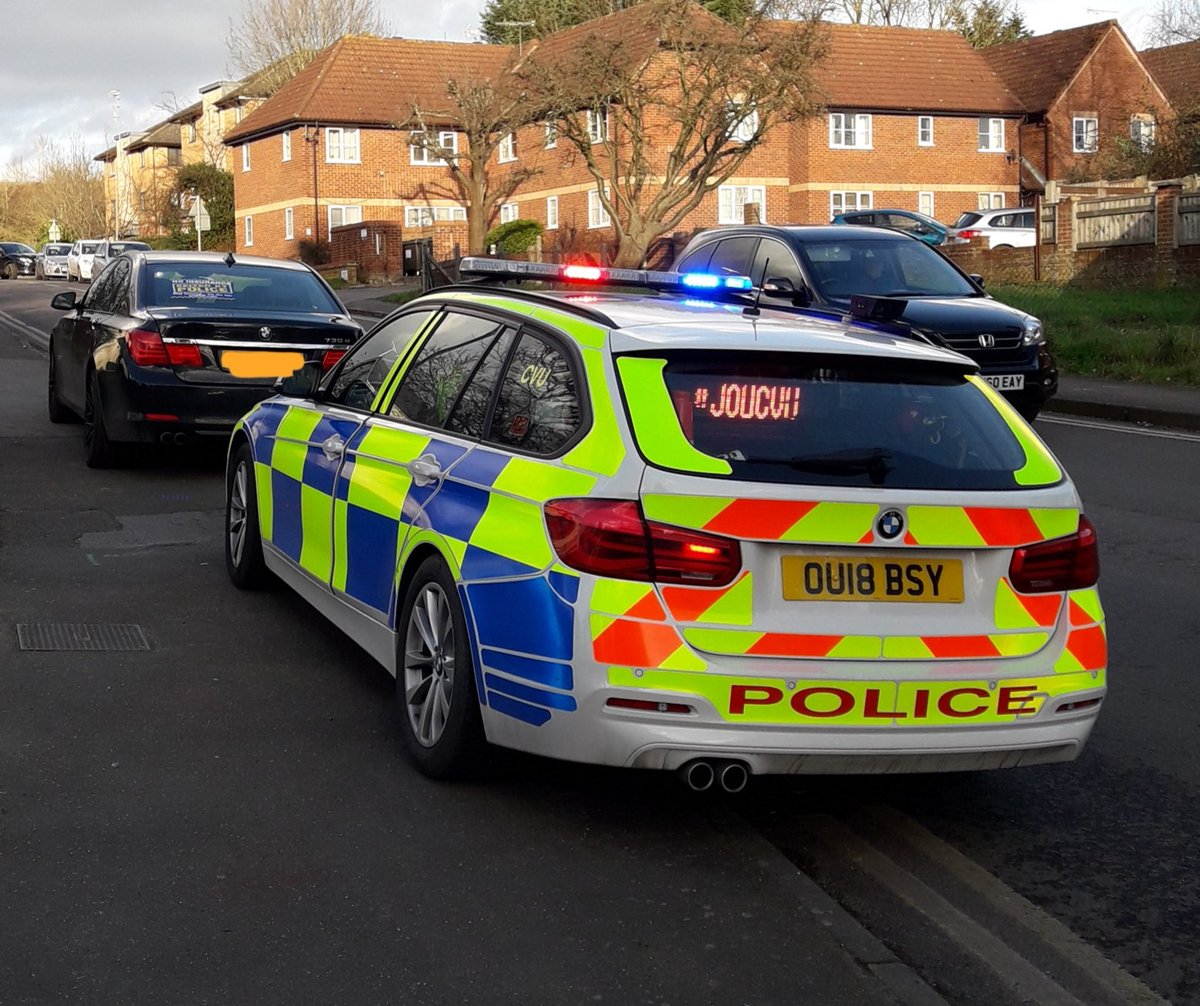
(875, 463)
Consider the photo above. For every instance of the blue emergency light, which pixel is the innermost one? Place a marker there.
(603, 276)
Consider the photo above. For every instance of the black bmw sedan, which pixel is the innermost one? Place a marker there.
(169, 347)
(819, 270)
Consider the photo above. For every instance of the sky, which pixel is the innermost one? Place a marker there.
(59, 62)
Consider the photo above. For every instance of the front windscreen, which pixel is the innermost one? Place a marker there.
(89, 247)
(240, 287)
(842, 421)
(16, 248)
(56, 249)
(881, 267)
(119, 247)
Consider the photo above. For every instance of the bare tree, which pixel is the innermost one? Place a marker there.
(69, 190)
(480, 115)
(285, 35)
(665, 108)
(1174, 21)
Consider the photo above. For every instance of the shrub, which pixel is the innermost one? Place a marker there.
(514, 237)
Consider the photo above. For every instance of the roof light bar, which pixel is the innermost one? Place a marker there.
(594, 275)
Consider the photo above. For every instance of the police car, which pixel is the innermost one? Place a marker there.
(662, 531)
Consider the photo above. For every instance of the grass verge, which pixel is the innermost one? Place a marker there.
(1134, 335)
(403, 297)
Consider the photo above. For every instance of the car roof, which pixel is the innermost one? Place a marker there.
(800, 233)
(215, 258)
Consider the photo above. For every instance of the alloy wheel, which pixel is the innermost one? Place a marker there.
(429, 664)
(237, 514)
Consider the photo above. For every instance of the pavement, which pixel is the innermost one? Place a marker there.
(1176, 406)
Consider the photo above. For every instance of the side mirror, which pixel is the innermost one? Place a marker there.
(976, 279)
(303, 383)
(64, 301)
(778, 286)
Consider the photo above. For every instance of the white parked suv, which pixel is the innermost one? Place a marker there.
(1005, 228)
(79, 260)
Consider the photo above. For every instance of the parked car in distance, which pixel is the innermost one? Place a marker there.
(79, 260)
(106, 251)
(16, 259)
(52, 260)
(931, 231)
(168, 347)
(818, 270)
(1011, 228)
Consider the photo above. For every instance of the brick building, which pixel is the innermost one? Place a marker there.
(138, 173)
(1176, 68)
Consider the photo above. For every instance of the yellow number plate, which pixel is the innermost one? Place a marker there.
(251, 363)
(838, 578)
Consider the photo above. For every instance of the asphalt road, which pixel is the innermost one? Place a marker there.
(227, 817)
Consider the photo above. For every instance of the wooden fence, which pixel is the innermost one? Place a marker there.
(1049, 224)
(1107, 223)
(1187, 219)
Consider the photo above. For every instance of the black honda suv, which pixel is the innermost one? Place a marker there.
(907, 286)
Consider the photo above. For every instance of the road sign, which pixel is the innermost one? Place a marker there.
(54, 233)
(200, 215)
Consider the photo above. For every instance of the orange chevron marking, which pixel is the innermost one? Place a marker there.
(785, 644)
(1042, 608)
(1078, 615)
(1003, 526)
(648, 607)
(687, 604)
(635, 644)
(767, 519)
(944, 647)
(1089, 647)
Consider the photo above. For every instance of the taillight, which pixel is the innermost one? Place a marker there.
(612, 538)
(146, 348)
(331, 357)
(1061, 564)
(966, 235)
(182, 354)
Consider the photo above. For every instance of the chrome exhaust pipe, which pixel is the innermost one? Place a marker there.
(733, 777)
(164, 438)
(180, 439)
(698, 775)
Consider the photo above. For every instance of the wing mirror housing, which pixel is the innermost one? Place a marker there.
(302, 383)
(976, 279)
(781, 286)
(64, 301)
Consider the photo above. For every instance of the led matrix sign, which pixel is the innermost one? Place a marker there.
(736, 400)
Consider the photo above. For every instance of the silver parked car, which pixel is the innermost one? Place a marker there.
(79, 260)
(1006, 228)
(52, 260)
(109, 250)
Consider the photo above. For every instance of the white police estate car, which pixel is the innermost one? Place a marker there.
(660, 531)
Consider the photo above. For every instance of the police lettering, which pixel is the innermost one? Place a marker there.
(826, 702)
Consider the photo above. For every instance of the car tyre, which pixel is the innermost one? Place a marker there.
(244, 560)
(57, 412)
(435, 678)
(100, 452)
(10, 270)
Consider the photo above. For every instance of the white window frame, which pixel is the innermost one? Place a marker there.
(552, 213)
(286, 141)
(989, 201)
(838, 201)
(509, 212)
(745, 123)
(342, 146)
(342, 208)
(925, 199)
(551, 135)
(424, 156)
(595, 120)
(856, 127)
(192, 135)
(426, 216)
(994, 134)
(289, 224)
(597, 215)
(248, 231)
(731, 210)
(506, 151)
(1143, 130)
(245, 156)
(924, 130)
(1083, 121)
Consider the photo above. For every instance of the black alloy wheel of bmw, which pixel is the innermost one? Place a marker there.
(57, 412)
(99, 451)
(243, 540)
(435, 678)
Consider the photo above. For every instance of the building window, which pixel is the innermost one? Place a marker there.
(341, 145)
(745, 123)
(286, 139)
(732, 200)
(191, 132)
(245, 156)
(848, 202)
(248, 224)
(849, 131)
(419, 153)
(1141, 130)
(508, 213)
(237, 113)
(424, 216)
(508, 149)
(924, 130)
(289, 223)
(552, 213)
(991, 134)
(597, 214)
(551, 135)
(339, 216)
(1085, 130)
(990, 201)
(925, 203)
(141, 158)
(597, 123)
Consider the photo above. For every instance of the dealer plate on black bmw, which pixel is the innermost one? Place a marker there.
(870, 578)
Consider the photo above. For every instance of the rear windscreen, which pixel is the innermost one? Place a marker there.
(240, 287)
(842, 421)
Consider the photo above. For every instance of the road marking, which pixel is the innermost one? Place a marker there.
(41, 339)
(1110, 427)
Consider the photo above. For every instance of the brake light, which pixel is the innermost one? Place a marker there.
(1062, 564)
(967, 235)
(146, 348)
(612, 538)
(182, 354)
(331, 357)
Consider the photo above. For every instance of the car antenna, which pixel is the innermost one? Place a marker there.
(751, 310)
(229, 260)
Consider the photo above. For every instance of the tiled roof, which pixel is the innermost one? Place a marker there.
(910, 69)
(1176, 69)
(165, 134)
(1037, 69)
(192, 111)
(367, 81)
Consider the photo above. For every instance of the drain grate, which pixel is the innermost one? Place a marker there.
(78, 636)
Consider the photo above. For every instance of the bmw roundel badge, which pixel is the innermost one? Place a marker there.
(264, 332)
(890, 524)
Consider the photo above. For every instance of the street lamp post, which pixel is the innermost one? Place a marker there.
(116, 97)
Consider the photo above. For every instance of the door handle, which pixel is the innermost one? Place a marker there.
(425, 469)
(333, 447)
